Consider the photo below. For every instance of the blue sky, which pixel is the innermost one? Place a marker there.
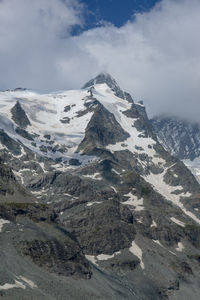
(117, 12)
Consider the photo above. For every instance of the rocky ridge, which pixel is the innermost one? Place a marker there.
(109, 207)
(181, 138)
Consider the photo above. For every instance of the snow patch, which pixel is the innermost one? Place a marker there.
(21, 282)
(114, 189)
(134, 201)
(22, 153)
(29, 282)
(172, 252)
(139, 220)
(158, 243)
(137, 251)
(154, 224)
(2, 223)
(106, 256)
(115, 172)
(177, 222)
(95, 176)
(8, 286)
(43, 167)
(180, 247)
(92, 259)
(19, 176)
(2, 147)
(101, 257)
(36, 192)
(92, 203)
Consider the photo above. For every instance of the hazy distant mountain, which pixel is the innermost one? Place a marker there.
(181, 138)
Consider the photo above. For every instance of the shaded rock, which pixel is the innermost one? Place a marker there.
(24, 134)
(102, 130)
(65, 120)
(11, 144)
(63, 258)
(74, 162)
(67, 108)
(102, 228)
(19, 116)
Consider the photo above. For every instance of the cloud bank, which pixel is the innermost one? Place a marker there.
(156, 56)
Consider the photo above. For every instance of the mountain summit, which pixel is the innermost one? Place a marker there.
(111, 83)
(109, 209)
(103, 78)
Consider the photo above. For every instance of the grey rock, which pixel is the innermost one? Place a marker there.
(19, 116)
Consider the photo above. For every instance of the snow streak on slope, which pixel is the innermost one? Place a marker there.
(8, 286)
(118, 106)
(137, 251)
(167, 191)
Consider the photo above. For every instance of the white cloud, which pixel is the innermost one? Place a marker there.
(32, 35)
(156, 57)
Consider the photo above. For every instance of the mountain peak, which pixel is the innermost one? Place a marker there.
(103, 78)
(111, 83)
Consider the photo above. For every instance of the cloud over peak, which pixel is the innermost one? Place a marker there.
(156, 56)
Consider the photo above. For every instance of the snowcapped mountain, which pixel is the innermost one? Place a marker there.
(106, 200)
(181, 138)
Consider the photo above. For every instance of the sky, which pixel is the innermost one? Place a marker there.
(152, 48)
(116, 12)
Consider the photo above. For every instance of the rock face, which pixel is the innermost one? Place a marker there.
(10, 189)
(102, 130)
(181, 138)
(91, 204)
(111, 220)
(19, 116)
(9, 143)
(62, 258)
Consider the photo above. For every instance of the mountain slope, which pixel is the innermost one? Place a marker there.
(127, 209)
(181, 138)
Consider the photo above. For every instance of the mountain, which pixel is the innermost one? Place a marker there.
(181, 138)
(110, 213)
